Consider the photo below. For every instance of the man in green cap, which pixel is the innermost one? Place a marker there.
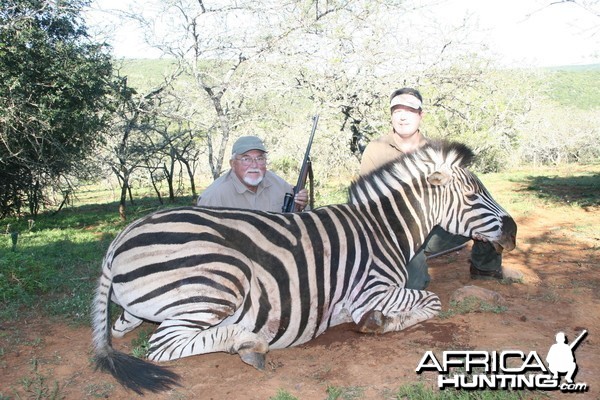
(406, 137)
(248, 184)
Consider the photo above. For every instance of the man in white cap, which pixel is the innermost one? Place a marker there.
(248, 184)
(405, 137)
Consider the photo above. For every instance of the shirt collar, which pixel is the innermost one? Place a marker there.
(390, 139)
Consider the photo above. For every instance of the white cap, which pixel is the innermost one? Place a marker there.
(407, 100)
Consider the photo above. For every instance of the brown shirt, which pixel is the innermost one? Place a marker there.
(229, 191)
(381, 151)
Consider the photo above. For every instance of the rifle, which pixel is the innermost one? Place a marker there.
(305, 172)
(575, 342)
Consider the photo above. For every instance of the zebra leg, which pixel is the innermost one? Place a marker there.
(175, 339)
(125, 324)
(408, 308)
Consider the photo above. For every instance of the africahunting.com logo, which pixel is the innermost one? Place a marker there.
(509, 369)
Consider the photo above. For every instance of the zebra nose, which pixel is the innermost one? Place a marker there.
(509, 225)
(509, 233)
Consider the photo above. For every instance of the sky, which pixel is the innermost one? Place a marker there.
(531, 32)
(518, 32)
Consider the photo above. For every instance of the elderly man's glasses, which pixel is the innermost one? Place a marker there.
(246, 161)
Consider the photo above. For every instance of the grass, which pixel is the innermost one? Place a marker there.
(524, 190)
(54, 266)
(102, 391)
(140, 344)
(344, 393)
(38, 386)
(419, 391)
(283, 395)
(580, 191)
(60, 265)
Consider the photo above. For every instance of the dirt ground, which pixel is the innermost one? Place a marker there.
(559, 292)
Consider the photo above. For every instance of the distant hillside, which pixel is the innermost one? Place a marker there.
(569, 85)
(576, 86)
(576, 68)
(144, 73)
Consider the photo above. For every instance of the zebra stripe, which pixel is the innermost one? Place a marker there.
(245, 281)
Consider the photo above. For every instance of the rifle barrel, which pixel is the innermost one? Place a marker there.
(578, 339)
(288, 203)
(306, 160)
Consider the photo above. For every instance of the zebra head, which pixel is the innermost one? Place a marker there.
(467, 207)
(433, 186)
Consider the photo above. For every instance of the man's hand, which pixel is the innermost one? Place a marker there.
(301, 199)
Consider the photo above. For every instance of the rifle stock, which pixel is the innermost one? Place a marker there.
(305, 171)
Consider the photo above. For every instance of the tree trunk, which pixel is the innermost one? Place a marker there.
(123, 198)
(191, 177)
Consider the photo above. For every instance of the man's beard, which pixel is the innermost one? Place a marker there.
(251, 180)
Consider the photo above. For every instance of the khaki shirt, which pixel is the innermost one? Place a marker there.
(379, 152)
(229, 191)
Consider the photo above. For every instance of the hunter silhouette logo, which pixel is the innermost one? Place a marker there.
(560, 357)
(508, 369)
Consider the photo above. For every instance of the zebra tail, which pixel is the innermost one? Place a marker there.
(136, 374)
(131, 372)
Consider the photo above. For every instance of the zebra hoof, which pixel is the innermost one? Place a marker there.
(257, 360)
(253, 353)
(372, 322)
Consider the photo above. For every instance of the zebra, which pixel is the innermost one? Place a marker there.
(245, 282)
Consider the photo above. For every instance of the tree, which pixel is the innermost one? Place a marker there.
(126, 147)
(53, 87)
(178, 146)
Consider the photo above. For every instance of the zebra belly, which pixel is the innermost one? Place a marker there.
(180, 283)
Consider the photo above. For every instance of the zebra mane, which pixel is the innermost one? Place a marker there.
(454, 153)
(436, 152)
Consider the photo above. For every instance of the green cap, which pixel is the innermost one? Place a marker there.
(247, 143)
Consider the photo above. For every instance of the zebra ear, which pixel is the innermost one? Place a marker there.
(438, 178)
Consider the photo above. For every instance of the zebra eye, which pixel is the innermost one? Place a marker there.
(470, 195)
